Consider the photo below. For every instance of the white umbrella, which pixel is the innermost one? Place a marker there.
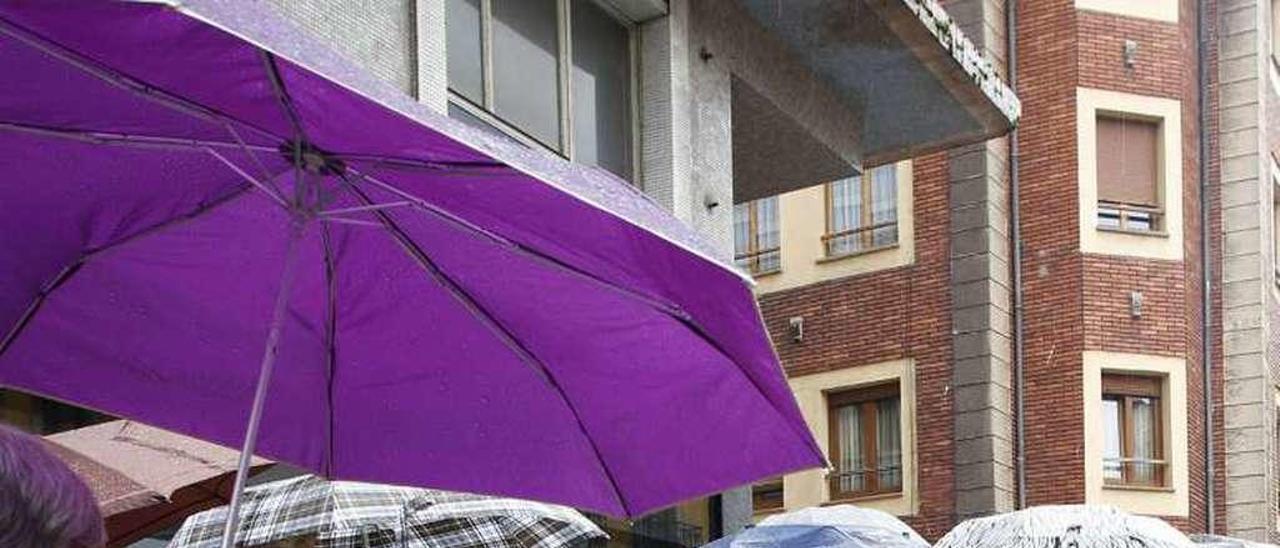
(1219, 541)
(1058, 526)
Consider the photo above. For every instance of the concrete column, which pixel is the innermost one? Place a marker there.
(666, 148)
(377, 34)
(1248, 407)
(431, 62)
(981, 301)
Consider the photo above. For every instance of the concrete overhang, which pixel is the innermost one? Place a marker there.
(903, 69)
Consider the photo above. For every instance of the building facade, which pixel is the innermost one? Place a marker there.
(703, 104)
(1079, 313)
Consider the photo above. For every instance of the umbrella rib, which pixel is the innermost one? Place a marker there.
(260, 185)
(127, 139)
(460, 167)
(70, 270)
(282, 96)
(118, 79)
(495, 326)
(521, 249)
(330, 335)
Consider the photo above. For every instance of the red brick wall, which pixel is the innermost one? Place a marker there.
(1171, 320)
(1072, 301)
(891, 314)
(1051, 262)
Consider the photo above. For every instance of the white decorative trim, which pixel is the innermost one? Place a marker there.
(1172, 502)
(1157, 10)
(977, 66)
(1089, 102)
(809, 488)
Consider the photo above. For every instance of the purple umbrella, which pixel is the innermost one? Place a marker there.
(441, 307)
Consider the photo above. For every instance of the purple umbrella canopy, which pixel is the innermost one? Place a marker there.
(455, 311)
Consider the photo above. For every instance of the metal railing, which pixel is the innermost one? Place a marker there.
(857, 240)
(760, 261)
(1141, 472)
(864, 481)
(1129, 217)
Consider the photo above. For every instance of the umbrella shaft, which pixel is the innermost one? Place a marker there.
(264, 379)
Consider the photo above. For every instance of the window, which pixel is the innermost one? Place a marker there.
(553, 72)
(1128, 167)
(866, 441)
(862, 212)
(767, 495)
(756, 240)
(1133, 444)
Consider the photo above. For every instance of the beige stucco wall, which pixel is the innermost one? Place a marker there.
(1159, 10)
(1089, 102)
(802, 218)
(1173, 501)
(809, 488)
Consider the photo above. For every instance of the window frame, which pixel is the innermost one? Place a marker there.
(564, 85)
(866, 212)
(760, 491)
(754, 253)
(1126, 389)
(1166, 245)
(868, 398)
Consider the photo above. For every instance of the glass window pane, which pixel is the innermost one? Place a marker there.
(845, 216)
(850, 466)
(462, 32)
(884, 207)
(742, 233)
(525, 49)
(768, 238)
(1111, 446)
(889, 444)
(601, 89)
(1144, 440)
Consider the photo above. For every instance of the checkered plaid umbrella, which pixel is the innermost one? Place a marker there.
(343, 514)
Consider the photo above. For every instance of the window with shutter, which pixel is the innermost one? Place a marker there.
(1128, 173)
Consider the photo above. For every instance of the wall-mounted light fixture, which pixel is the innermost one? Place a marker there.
(795, 327)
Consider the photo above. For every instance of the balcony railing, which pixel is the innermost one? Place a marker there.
(1134, 472)
(760, 261)
(861, 239)
(1130, 217)
(864, 481)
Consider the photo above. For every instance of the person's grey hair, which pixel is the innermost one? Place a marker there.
(43, 504)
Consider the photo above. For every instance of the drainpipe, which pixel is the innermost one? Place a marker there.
(1015, 232)
(1206, 264)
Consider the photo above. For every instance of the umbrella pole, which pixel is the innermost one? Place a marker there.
(264, 379)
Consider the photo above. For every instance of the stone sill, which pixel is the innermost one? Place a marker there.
(1149, 233)
(1139, 488)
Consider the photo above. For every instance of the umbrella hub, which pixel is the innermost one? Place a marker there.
(311, 159)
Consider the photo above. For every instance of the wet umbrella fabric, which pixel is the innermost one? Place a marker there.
(1057, 526)
(440, 306)
(351, 514)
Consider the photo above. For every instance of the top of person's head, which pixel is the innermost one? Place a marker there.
(43, 504)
